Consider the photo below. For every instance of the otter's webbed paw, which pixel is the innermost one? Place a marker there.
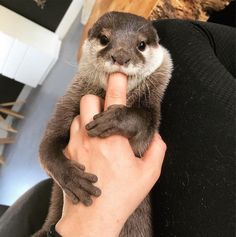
(116, 120)
(76, 183)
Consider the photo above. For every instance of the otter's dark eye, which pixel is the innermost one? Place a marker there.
(104, 40)
(142, 46)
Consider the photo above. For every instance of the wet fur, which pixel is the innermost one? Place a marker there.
(143, 109)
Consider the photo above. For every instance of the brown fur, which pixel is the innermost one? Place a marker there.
(142, 113)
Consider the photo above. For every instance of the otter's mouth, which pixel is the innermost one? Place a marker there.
(129, 70)
(117, 68)
(134, 79)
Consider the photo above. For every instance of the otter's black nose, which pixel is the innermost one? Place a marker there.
(120, 59)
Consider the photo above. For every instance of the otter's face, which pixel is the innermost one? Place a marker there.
(123, 42)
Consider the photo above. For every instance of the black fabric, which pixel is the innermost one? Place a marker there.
(225, 16)
(28, 213)
(3, 208)
(195, 195)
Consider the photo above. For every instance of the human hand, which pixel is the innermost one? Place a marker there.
(123, 178)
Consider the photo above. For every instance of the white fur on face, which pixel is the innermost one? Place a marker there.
(99, 69)
(153, 59)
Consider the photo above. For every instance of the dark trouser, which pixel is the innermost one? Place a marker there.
(195, 195)
(28, 213)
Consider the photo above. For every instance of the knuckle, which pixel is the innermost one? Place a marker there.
(157, 174)
(154, 172)
(85, 144)
(88, 98)
(75, 122)
(161, 144)
(113, 93)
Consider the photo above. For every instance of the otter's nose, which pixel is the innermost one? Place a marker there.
(120, 59)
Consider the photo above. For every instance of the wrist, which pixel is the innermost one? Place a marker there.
(68, 230)
(87, 222)
(64, 229)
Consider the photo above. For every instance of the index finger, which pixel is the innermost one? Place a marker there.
(89, 106)
(116, 89)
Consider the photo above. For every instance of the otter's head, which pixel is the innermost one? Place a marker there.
(123, 42)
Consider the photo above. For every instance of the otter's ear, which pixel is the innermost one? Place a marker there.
(155, 32)
(93, 32)
(90, 33)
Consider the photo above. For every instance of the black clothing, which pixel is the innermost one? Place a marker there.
(195, 195)
(28, 213)
(225, 16)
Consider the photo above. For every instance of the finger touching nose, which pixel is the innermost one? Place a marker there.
(116, 92)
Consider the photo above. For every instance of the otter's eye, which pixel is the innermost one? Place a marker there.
(142, 46)
(104, 40)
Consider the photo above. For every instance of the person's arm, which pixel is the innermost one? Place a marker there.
(123, 179)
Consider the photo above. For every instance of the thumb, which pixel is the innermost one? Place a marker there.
(154, 156)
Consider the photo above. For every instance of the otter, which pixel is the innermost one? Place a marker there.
(117, 42)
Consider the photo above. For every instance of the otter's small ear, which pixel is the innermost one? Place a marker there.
(90, 32)
(156, 33)
(158, 39)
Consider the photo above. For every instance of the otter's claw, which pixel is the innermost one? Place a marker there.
(110, 122)
(77, 184)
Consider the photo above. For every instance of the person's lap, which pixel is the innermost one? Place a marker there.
(195, 194)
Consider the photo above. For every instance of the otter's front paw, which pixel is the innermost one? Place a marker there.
(77, 184)
(114, 121)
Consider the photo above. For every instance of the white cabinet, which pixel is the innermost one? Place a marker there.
(27, 50)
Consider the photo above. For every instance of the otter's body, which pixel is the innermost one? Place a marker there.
(118, 42)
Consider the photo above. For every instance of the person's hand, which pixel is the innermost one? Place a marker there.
(124, 179)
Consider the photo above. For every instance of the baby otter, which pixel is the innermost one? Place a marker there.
(117, 42)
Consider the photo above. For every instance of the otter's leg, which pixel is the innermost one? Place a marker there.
(137, 124)
(70, 175)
